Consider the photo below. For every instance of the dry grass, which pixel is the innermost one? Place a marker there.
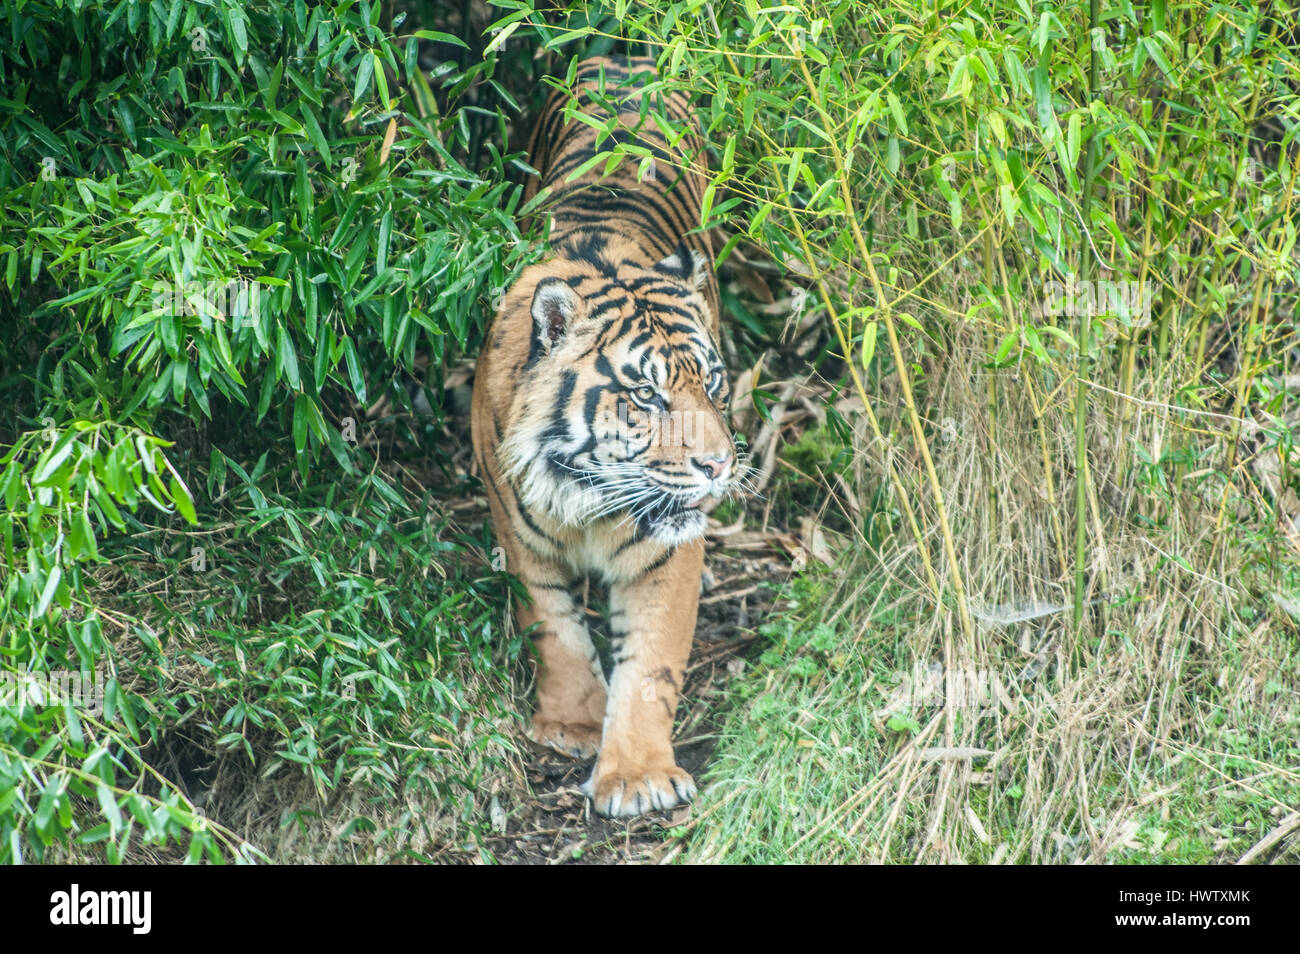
(1165, 730)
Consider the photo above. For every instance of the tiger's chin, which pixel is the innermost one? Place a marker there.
(678, 527)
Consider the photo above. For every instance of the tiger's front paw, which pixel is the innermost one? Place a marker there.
(574, 739)
(622, 794)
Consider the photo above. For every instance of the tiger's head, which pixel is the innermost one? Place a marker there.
(621, 402)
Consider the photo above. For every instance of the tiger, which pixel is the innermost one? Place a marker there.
(599, 429)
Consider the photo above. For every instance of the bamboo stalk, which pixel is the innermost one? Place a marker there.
(1088, 267)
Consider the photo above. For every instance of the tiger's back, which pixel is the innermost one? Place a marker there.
(652, 212)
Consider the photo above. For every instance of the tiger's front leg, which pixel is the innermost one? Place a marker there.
(653, 623)
(570, 681)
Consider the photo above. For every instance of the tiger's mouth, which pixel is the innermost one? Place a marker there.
(671, 514)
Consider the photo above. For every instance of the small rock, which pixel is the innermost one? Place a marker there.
(497, 816)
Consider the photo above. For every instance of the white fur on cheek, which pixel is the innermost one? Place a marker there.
(527, 464)
(540, 488)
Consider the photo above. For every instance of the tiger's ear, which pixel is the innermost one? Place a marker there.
(686, 265)
(555, 306)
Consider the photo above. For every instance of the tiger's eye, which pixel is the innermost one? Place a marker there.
(645, 393)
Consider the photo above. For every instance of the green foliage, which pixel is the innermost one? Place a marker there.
(202, 232)
(222, 221)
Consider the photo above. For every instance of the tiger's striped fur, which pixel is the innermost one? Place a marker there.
(599, 433)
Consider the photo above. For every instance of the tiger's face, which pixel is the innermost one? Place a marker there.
(621, 410)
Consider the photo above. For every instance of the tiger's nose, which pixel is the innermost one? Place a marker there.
(713, 466)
